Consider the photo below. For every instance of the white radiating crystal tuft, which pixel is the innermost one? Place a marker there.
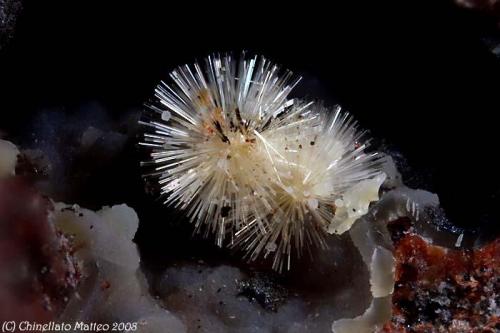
(243, 161)
(320, 162)
(203, 136)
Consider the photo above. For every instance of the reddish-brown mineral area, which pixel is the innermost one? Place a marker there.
(444, 290)
(38, 271)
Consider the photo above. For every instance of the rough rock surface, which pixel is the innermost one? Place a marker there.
(444, 290)
(232, 298)
(38, 271)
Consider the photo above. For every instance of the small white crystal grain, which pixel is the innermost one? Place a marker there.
(165, 115)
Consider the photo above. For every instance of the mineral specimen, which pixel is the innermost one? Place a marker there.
(251, 166)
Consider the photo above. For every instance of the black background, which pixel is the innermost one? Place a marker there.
(418, 75)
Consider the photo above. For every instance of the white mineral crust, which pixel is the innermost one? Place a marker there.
(113, 288)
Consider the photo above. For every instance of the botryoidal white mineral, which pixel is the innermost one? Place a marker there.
(8, 158)
(247, 164)
(113, 288)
